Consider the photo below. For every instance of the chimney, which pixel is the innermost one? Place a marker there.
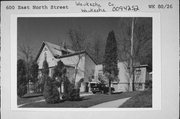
(64, 45)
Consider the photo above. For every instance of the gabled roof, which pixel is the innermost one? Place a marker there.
(54, 49)
(77, 53)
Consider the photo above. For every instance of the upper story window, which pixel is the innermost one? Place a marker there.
(65, 52)
(45, 56)
(45, 49)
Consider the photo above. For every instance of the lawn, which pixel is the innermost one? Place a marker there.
(143, 99)
(86, 101)
(28, 98)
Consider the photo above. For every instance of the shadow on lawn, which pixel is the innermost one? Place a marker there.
(32, 95)
(99, 93)
(117, 92)
(61, 102)
(79, 99)
(66, 100)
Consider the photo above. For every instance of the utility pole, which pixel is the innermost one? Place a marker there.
(131, 87)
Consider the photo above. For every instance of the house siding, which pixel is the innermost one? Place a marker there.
(89, 68)
(123, 77)
(49, 58)
(72, 61)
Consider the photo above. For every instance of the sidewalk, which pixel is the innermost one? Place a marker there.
(85, 94)
(111, 104)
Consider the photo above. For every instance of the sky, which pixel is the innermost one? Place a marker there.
(33, 31)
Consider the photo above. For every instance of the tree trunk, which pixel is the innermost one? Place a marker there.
(27, 78)
(76, 71)
(109, 86)
(131, 76)
(133, 84)
(131, 58)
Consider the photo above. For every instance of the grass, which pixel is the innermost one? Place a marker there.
(86, 101)
(143, 99)
(32, 95)
(29, 98)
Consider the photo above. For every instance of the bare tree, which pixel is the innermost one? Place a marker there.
(79, 43)
(132, 56)
(26, 52)
(135, 44)
(78, 39)
(97, 47)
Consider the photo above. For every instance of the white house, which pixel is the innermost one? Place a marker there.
(87, 67)
(82, 60)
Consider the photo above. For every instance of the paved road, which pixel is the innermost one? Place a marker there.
(111, 104)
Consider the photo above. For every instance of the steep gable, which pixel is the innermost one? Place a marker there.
(56, 50)
(55, 53)
(46, 54)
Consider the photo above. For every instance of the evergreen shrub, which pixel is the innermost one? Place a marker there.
(50, 92)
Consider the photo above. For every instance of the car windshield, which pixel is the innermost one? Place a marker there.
(93, 85)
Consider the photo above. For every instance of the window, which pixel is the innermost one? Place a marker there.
(64, 52)
(45, 55)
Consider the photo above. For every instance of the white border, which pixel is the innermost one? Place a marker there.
(156, 60)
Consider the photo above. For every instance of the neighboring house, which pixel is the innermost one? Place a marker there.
(141, 75)
(53, 53)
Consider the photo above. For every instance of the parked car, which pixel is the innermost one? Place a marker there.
(99, 87)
